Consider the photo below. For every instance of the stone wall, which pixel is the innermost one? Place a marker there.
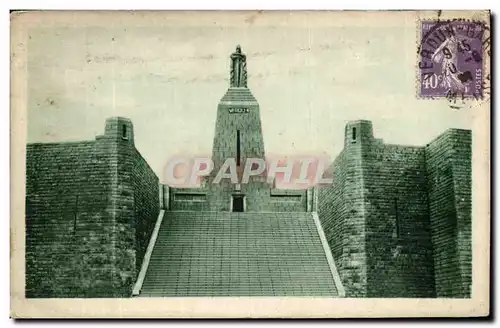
(288, 200)
(257, 195)
(90, 209)
(398, 241)
(69, 245)
(397, 218)
(333, 215)
(217, 198)
(188, 199)
(449, 183)
(146, 204)
(341, 209)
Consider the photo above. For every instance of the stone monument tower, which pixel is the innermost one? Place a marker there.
(238, 136)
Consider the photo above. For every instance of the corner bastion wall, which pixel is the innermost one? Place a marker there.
(90, 209)
(394, 213)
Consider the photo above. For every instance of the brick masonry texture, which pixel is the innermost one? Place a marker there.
(398, 240)
(449, 183)
(341, 212)
(228, 124)
(90, 209)
(69, 248)
(397, 218)
(218, 198)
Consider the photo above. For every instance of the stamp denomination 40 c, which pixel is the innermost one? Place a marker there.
(451, 59)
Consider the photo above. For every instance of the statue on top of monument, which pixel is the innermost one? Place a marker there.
(238, 76)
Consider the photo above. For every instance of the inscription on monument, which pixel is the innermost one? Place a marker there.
(239, 110)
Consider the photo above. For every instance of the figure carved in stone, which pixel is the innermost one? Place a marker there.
(238, 76)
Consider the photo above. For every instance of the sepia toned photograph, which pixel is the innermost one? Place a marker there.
(250, 164)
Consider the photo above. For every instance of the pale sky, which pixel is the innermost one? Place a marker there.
(309, 81)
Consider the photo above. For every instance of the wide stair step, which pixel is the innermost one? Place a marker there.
(238, 254)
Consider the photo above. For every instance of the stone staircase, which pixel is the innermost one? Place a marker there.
(238, 254)
(238, 94)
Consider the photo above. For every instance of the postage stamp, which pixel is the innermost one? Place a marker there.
(451, 59)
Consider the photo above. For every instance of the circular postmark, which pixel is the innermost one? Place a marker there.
(451, 60)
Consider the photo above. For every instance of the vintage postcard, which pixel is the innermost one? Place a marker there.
(250, 164)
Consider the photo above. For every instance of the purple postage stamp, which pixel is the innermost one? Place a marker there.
(451, 59)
